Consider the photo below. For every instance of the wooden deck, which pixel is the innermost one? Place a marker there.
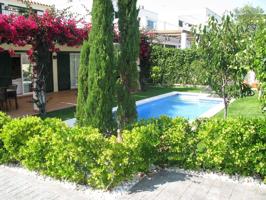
(55, 101)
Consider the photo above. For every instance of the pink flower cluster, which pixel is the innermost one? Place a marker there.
(35, 30)
(48, 30)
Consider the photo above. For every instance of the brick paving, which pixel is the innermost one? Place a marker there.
(165, 185)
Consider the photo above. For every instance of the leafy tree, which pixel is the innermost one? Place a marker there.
(218, 43)
(101, 68)
(247, 17)
(127, 67)
(260, 60)
(83, 90)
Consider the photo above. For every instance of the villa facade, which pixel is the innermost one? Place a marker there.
(16, 69)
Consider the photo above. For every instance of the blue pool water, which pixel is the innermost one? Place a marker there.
(187, 106)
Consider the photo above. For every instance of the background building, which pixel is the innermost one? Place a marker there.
(19, 6)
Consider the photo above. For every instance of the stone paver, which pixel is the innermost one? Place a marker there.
(165, 185)
(15, 185)
(170, 185)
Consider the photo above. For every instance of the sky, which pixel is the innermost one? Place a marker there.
(169, 9)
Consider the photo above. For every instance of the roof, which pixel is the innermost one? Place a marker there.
(34, 2)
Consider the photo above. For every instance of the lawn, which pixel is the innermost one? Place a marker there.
(68, 113)
(248, 107)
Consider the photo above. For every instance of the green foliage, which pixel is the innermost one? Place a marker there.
(177, 66)
(129, 43)
(260, 61)
(84, 155)
(127, 67)
(4, 119)
(156, 75)
(232, 146)
(218, 44)
(17, 132)
(4, 156)
(68, 154)
(113, 165)
(83, 90)
(248, 17)
(101, 68)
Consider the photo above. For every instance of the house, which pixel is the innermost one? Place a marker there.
(62, 73)
(176, 32)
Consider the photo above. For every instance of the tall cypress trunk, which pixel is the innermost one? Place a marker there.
(83, 90)
(100, 100)
(127, 64)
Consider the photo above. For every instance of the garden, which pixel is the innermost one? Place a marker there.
(104, 149)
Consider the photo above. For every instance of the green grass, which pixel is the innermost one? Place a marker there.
(248, 107)
(69, 113)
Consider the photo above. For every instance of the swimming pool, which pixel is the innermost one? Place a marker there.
(175, 104)
(190, 106)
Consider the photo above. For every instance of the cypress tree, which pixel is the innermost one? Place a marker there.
(83, 84)
(101, 68)
(127, 66)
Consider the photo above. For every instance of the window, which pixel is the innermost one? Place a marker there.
(180, 23)
(150, 24)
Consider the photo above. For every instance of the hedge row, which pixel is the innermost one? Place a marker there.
(171, 66)
(85, 156)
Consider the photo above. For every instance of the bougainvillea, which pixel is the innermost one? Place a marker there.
(42, 32)
(20, 30)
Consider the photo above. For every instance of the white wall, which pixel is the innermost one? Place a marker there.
(40, 6)
(146, 15)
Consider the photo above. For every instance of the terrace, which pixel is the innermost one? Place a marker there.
(55, 101)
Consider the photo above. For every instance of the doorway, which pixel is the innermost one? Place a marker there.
(21, 73)
(74, 68)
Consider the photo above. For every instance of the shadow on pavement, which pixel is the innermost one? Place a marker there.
(157, 180)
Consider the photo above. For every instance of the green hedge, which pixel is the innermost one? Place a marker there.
(4, 119)
(171, 66)
(84, 155)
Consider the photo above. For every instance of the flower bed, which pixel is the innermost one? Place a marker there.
(84, 155)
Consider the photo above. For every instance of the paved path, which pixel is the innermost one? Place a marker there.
(171, 185)
(166, 185)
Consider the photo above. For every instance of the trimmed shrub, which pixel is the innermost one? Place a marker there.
(4, 156)
(232, 146)
(84, 155)
(18, 131)
(64, 153)
(114, 165)
(33, 153)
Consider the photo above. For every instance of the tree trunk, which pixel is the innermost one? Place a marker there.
(42, 60)
(225, 99)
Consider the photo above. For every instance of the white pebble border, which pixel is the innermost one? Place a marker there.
(251, 181)
(94, 194)
(119, 191)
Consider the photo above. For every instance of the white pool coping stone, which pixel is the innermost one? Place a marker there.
(201, 96)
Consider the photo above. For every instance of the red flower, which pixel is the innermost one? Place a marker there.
(11, 52)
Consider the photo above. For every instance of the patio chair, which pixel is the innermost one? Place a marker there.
(3, 99)
(12, 94)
